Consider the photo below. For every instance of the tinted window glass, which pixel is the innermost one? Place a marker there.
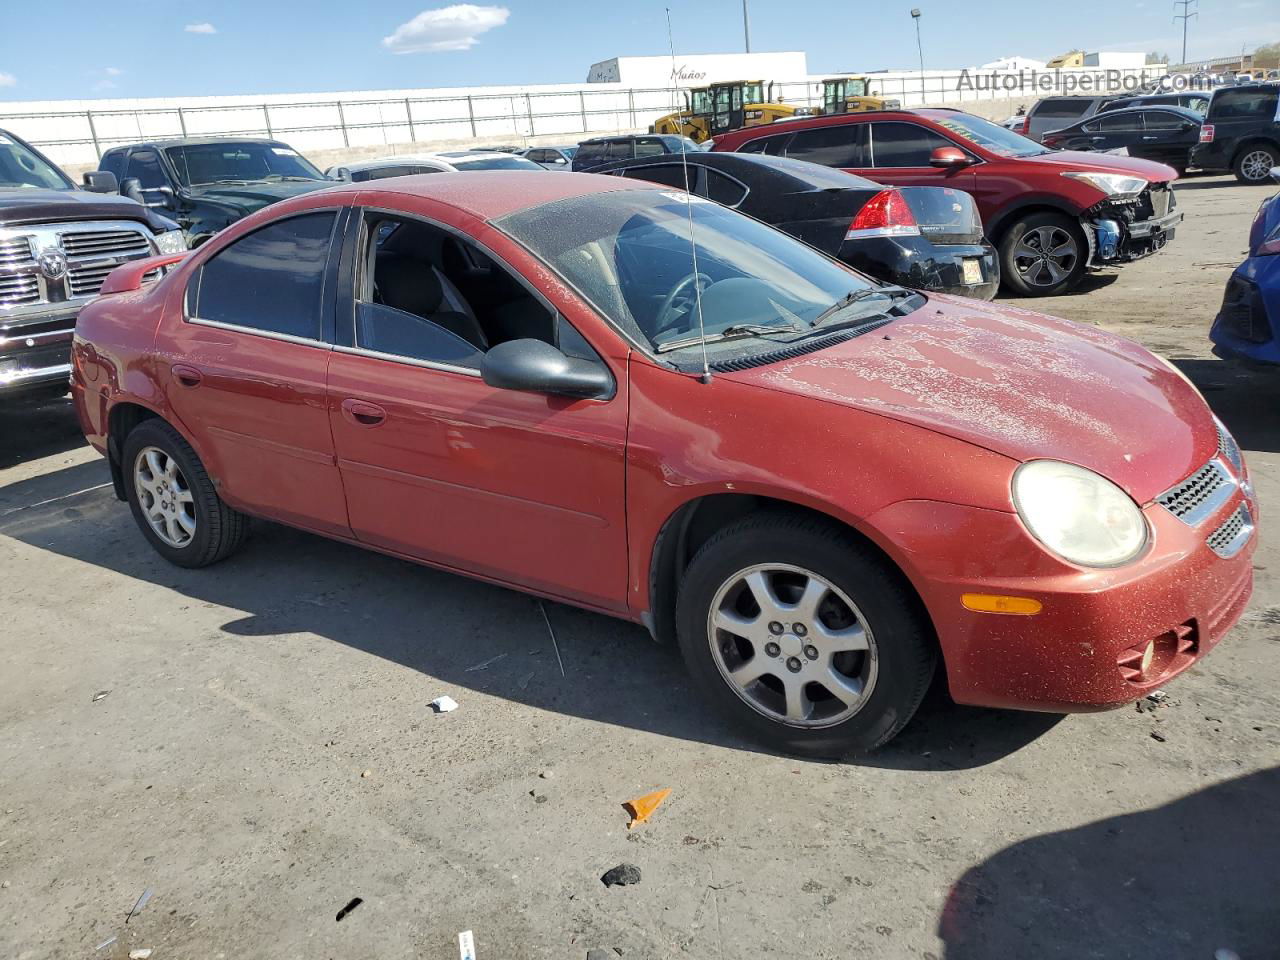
(650, 148)
(1160, 120)
(146, 167)
(270, 280)
(619, 150)
(113, 161)
(836, 146)
(668, 174)
(382, 173)
(1120, 123)
(903, 144)
(1057, 107)
(724, 189)
(1240, 104)
(774, 146)
(590, 151)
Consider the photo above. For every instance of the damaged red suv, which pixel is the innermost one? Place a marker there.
(817, 485)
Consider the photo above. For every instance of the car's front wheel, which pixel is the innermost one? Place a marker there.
(1043, 254)
(1255, 162)
(804, 636)
(174, 500)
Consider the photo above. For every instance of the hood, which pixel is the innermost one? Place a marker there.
(43, 206)
(255, 196)
(1020, 384)
(1079, 160)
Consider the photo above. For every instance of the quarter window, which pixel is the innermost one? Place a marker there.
(271, 280)
(723, 189)
(667, 174)
(832, 146)
(903, 145)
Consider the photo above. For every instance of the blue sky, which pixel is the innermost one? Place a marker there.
(86, 48)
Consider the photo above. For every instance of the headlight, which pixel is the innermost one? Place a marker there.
(1112, 184)
(173, 241)
(1077, 514)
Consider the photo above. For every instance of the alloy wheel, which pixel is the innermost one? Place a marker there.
(1045, 255)
(165, 496)
(792, 645)
(1256, 165)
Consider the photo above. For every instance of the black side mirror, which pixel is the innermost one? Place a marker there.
(132, 188)
(101, 181)
(537, 366)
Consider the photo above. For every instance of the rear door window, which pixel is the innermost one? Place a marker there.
(619, 150)
(591, 151)
(903, 144)
(650, 148)
(1120, 122)
(832, 146)
(1163, 120)
(1060, 108)
(667, 174)
(773, 146)
(1244, 105)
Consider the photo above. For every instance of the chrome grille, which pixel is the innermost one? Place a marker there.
(1198, 496)
(1228, 449)
(18, 289)
(85, 281)
(1230, 538)
(15, 250)
(105, 243)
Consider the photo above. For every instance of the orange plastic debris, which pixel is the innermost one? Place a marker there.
(641, 808)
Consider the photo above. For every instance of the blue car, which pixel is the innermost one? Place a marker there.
(1248, 325)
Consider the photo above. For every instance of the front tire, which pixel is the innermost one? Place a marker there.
(803, 636)
(174, 501)
(1254, 163)
(1043, 254)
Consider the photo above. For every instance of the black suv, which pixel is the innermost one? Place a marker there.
(209, 184)
(598, 150)
(1241, 132)
(58, 242)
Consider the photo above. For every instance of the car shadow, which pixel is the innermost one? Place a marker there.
(468, 634)
(1245, 398)
(1208, 181)
(33, 429)
(1193, 878)
(1089, 283)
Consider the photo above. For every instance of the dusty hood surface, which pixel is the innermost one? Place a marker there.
(1107, 163)
(1019, 383)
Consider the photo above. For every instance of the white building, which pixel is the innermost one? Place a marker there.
(698, 69)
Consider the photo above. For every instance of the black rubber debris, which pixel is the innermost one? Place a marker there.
(355, 902)
(621, 875)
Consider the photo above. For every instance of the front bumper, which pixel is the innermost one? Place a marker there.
(1084, 650)
(920, 264)
(1246, 323)
(36, 353)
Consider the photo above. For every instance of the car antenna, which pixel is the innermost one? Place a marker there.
(693, 243)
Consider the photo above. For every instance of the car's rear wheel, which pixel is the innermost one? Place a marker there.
(174, 501)
(1255, 162)
(804, 636)
(1043, 254)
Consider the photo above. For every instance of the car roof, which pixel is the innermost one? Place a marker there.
(198, 142)
(491, 194)
(1148, 108)
(809, 175)
(620, 138)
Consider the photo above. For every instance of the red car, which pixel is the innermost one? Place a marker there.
(817, 485)
(1053, 215)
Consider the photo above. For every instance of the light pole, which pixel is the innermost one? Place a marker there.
(746, 26)
(915, 15)
(1184, 16)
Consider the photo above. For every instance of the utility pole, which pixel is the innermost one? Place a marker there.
(746, 26)
(1184, 16)
(915, 15)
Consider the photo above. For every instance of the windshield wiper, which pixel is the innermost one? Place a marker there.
(732, 332)
(856, 296)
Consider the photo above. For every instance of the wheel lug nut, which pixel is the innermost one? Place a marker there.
(799, 629)
(775, 628)
(793, 664)
(772, 649)
(811, 652)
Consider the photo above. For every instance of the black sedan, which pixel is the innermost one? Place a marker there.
(1164, 134)
(926, 238)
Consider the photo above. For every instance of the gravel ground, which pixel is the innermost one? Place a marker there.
(264, 751)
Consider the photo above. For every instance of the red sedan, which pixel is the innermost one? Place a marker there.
(817, 485)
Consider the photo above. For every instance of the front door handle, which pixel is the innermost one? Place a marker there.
(363, 413)
(186, 375)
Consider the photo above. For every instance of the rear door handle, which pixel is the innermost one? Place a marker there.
(187, 376)
(363, 413)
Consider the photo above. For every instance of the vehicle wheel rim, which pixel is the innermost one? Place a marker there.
(165, 497)
(1256, 165)
(1045, 255)
(792, 646)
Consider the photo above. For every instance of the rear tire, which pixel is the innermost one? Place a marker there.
(173, 500)
(845, 650)
(1255, 162)
(1066, 251)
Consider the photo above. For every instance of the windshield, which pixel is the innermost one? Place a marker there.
(21, 168)
(990, 136)
(496, 163)
(629, 253)
(233, 162)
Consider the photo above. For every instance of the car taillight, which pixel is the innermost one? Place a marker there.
(1206, 133)
(885, 215)
(1021, 126)
(1050, 141)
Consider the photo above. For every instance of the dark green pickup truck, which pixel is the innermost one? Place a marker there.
(209, 184)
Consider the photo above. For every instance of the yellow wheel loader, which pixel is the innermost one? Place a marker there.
(721, 107)
(849, 95)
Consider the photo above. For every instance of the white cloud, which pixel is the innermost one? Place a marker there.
(8, 80)
(200, 28)
(112, 71)
(448, 28)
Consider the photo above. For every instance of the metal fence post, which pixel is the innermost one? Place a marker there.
(342, 122)
(582, 102)
(182, 122)
(528, 108)
(631, 106)
(93, 132)
(471, 115)
(408, 113)
(266, 117)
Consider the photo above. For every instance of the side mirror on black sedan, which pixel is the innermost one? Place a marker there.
(537, 366)
(948, 157)
(101, 181)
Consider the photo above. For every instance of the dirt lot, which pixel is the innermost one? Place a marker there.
(224, 767)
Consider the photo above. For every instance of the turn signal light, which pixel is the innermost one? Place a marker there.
(887, 214)
(994, 603)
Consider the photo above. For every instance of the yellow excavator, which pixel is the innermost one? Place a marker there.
(721, 107)
(849, 95)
